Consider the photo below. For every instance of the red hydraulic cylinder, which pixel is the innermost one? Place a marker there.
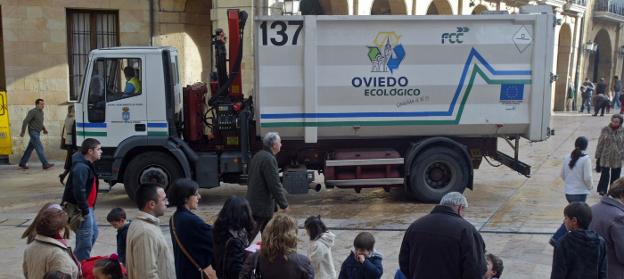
(236, 90)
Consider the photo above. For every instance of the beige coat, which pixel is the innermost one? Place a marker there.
(610, 147)
(147, 252)
(48, 254)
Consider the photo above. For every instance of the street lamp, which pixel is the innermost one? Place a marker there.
(289, 7)
(590, 47)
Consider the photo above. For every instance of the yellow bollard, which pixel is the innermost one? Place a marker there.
(5, 129)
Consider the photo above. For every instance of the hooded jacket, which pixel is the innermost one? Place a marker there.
(371, 268)
(320, 255)
(78, 185)
(580, 254)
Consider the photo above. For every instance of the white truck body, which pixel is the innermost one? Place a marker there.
(341, 77)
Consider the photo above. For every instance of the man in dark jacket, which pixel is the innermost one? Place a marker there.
(81, 190)
(264, 188)
(608, 222)
(443, 245)
(581, 253)
(601, 100)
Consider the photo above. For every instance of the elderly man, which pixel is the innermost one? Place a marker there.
(264, 188)
(443, 244)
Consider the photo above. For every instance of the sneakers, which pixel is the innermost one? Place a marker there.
(24, 167)
(45, 167)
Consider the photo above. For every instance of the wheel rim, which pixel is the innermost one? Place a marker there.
(154, 174)
(438, 175)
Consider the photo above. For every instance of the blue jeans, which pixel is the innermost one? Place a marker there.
(562, 230)
(86, 236)
(34, 143)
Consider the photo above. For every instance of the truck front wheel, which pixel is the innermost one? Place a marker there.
(437, 171)
(150, 167)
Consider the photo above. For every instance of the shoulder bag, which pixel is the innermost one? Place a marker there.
(183, 249)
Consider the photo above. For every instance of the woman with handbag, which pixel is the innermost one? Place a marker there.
(576, 174)
(232, 230)
(278, 257)
(609, 153)
(191, 236)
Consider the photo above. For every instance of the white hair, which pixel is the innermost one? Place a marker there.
(454, 199)
(270, 138)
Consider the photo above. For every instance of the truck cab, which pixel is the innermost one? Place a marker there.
(131, 101)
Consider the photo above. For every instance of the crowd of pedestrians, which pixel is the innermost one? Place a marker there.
(442, 244)
(599, 96)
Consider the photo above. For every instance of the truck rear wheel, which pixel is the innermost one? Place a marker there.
(437, 171)
(150, 167)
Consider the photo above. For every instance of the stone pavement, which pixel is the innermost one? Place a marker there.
(515, 214)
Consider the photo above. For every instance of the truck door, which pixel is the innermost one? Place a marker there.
(115, 106)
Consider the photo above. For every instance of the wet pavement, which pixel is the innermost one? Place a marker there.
(515, 214)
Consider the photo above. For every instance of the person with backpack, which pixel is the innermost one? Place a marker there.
(81, 194)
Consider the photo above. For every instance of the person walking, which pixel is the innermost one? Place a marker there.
(609, 153)
(34, 122)
(232, 230)
(278, 257)
(49, 250)
(147, 252)
(81, 192)
(587, 90)
(264, 189)
(608, 222)
(601, 100)
(443, 245)
(617, 91)
(191, 236)
(67, 137)
(570, 95)
(576, 174)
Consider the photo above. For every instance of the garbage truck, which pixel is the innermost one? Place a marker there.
(415, 102)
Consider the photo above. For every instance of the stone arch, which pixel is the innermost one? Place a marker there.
(389, 7)
(563, 66)
(600, 61)
(479, 9)
(439, 7)
(335, 7)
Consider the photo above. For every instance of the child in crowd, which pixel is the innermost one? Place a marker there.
(494, 267)
(364, 262)
(108, 268)
(321, 243)
(117, 218)
(581, 253)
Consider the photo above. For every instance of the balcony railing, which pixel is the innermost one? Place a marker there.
(578, 2)
(610, 6)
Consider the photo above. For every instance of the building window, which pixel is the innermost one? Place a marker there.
(87, 30)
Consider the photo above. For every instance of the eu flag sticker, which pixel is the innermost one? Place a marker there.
(512, 93)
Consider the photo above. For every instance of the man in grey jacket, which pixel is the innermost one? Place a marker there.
(34, 122)
(264, 188)
(608, 222)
